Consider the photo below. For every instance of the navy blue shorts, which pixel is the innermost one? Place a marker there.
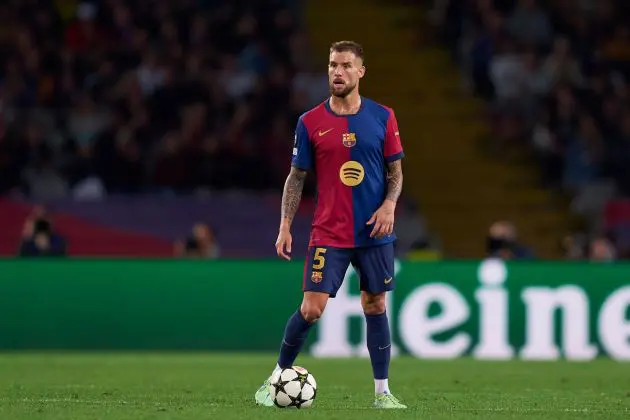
(325, 268)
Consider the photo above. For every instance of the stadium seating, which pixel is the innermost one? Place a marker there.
(555, 77)
(115, 115)
(182, 96)
(118, 116)
(460, 191)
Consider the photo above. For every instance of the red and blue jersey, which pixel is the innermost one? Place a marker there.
(349, 156)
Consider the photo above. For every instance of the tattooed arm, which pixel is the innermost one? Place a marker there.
(383, 218)
(291, 196)
(394, 180)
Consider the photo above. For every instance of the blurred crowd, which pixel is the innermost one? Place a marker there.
(104, 97)
(556, 75)
(114, 96)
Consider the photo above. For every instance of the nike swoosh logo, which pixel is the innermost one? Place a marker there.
(383, 348)
(388, 280)
(290, 345)
(323, 133)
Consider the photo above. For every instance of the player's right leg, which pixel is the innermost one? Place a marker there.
(324, 271)
(295, 333)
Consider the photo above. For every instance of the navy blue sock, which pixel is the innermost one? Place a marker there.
(295, 334)
(379, 344)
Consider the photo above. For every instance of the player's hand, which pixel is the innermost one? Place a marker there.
(383, 220)
(283, 244)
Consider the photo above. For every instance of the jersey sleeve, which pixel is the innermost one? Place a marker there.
(393, 149)
(302, 148)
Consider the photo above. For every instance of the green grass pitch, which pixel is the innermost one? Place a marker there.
(217, 386)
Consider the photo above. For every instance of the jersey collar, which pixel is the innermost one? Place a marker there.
(329, 109)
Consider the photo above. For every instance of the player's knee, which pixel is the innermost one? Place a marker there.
(313, 306)
(311, 313)
(375, 308)
(373, 304)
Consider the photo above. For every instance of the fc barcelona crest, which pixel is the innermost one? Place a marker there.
(316, 277)
(349, 139)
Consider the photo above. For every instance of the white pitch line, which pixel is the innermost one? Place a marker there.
(63, 401)
(535, 410)
(451, 409)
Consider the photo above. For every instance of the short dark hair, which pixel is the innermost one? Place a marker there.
(343, 46)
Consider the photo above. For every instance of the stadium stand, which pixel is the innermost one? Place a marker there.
(460, 191)
(128, 97)
(556, 77)
(134, 120)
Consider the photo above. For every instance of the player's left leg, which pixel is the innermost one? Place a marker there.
(375, 267)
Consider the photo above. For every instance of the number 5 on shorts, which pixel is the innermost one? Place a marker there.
(318, 258)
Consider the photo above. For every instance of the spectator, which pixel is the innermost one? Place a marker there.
(602, 250)
(508, 75)
(584, 154)
(502, 242)
(202, 243)
(574, 247)
(560, 67)
(38, 238)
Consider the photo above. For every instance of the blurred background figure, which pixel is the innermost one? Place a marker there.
(574, 247)
(502, 242)
(202, 244)
(602, 249)
(38, 237)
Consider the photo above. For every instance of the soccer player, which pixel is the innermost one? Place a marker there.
(352, 145)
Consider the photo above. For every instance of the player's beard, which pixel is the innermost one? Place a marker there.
(347, 89)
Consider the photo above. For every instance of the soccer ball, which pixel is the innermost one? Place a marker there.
(293, 387)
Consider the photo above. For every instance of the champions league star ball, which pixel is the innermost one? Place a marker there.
(293, 387)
